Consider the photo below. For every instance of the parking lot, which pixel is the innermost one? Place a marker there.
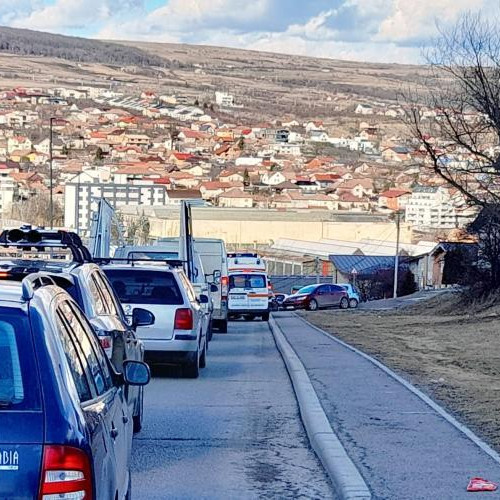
(233, 433)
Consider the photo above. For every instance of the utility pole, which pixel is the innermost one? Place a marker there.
(396, 259)
(51, 178)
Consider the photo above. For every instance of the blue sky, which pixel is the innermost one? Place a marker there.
(363, 30)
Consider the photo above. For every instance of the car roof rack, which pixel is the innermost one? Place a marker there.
(29, 238)
(133, 261)
(33, 282)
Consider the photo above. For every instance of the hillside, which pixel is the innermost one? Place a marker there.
(35, 43)
(266, 84)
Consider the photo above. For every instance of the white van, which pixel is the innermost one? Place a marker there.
(248, 287)
(213, 255)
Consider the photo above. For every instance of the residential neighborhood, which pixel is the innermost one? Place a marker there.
(153, 150)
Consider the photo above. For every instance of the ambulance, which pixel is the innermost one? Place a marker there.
(248, 286)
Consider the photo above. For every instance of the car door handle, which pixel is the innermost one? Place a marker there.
(114, 432)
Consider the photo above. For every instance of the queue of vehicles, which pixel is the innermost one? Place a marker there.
(74, 334)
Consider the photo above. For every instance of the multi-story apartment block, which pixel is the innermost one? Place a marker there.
(435, 207)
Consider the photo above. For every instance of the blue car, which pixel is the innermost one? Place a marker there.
(65, 425)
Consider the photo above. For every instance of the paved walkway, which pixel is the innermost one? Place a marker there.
(403, 448)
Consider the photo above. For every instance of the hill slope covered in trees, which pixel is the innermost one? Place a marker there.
(35, 43)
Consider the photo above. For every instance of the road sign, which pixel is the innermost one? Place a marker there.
(354, 271)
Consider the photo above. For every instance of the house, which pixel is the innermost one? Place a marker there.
(224, 99)
(286, 148)
(357, 187)
(395, 199)
(314, 125)
(212, 189)
(227, 176)
(273, 178)
(397, 154)
(19, 142)
(348, 201)
(235, 198)
(363, 109)
(319, 136)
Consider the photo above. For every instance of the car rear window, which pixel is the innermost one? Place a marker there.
(247, 281)
(19, 389)
(135, 286)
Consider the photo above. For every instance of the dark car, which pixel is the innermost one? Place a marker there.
(63, 256)
(314, 297)
(66, 427)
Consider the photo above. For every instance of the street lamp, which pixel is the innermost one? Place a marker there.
(51, 177)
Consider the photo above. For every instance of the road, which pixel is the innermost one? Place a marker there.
(233, 433)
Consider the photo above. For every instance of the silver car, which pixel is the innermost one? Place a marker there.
(179, 334)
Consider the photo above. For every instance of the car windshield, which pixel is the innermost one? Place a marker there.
(19, 388)
(307, 289)
(135, 286)
(247, 281)
(154, 255)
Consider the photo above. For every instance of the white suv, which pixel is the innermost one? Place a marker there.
(179, 335)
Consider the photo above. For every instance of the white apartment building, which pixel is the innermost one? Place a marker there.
(433, 207)
(80, 200)
(8, 190)
(224, 99)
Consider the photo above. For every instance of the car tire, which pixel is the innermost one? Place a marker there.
(353, 303)
(344, 303)
(265, 317)
(192, 367)
(128, 495)
(138, 419)
(313, 305)
(203, 357)
(210, 331)
(223, 326)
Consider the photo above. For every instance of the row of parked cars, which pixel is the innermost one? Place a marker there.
(73, 338)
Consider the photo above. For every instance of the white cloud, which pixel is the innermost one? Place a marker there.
(66, 15)
(410, 19)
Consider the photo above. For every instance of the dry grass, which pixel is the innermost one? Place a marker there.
(455, 358)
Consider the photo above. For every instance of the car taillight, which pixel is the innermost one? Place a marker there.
(224, 281)
(66, 474)
(105, 341)
(183, 319)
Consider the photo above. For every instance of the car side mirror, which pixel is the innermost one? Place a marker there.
(203, 299)
(142, 317)
(217, 276)
(136, 372)
(214, 288)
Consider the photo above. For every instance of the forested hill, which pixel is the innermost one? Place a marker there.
(36, 43)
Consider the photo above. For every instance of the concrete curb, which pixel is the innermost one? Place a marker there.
(426, 399)
(344, 475)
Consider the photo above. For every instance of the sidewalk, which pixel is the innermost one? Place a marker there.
(402, 447)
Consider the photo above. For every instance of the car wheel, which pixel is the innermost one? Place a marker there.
(265, 317)
(138, 419)
(223, 326)
(313, 305)
(210, 331)
(353, 303)
(128, 495)
(344, 303)
(203, 357)
(192, 368)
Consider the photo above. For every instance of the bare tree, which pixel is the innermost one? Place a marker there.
(461, 95)
(36, 209)
(455, 118)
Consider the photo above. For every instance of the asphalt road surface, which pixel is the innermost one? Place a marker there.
(233, 433)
